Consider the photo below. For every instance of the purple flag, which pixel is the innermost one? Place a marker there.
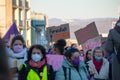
(12, 30)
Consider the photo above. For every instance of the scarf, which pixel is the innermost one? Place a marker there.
(37, 65)
(98, 64)
(18, 55)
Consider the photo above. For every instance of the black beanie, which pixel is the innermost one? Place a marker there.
(70, 51)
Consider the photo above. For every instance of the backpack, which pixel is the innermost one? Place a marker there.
(65, 72)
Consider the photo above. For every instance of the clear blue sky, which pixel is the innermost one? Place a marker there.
(80, 9)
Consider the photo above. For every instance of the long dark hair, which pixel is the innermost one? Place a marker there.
(86, 58)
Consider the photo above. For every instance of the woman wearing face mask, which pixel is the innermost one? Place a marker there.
(98, 66)
(72, 68)
(17, 54)
(36, 67)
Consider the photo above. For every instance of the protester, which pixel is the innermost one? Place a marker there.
(74, 45)
(59, 47)
(72, 68)
(50, 50)
(36, 67)
(88, 57)
(113, 46)
(4, 67)
(99, 66)
(17, 53)
(82, 53)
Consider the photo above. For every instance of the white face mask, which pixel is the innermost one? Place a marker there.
(118, 24)
(36, 57)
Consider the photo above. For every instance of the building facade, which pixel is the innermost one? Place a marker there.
(15, 11)
(39, 22)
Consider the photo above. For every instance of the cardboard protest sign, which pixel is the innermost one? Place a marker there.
(92, 43)
(89, 32)
(58, 32)
(55, 61)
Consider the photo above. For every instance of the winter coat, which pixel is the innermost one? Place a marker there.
(104, 71)
(113, 40)
(81, 74)
(28, 72)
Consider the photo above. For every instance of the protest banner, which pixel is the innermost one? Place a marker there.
(12, 31)
(89, 32)
(58, 32)
(92, 43)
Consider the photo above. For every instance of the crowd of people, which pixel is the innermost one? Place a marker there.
(17, 62)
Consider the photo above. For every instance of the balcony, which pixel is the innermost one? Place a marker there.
(27, 4)
(20, 23)
(14, 3)
(20, 3)
(27, 23)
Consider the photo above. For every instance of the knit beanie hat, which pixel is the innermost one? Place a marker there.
(70, 51)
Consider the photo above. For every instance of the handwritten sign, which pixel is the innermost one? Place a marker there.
(92, 43)
(89, 32)
(55, 61)
(58, 32)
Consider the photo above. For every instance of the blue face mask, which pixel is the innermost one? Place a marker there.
(36, 57)
(98, 58)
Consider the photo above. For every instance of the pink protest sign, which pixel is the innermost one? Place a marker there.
(55, 61)
(91, 43)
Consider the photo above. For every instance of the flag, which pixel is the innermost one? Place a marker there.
(12, 31)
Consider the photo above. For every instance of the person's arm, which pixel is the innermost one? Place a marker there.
(109, 45)
(22, 73)
(51, 73)
(60, 74)
(91, 69)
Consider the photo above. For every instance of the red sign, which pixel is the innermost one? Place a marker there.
(89, 32)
